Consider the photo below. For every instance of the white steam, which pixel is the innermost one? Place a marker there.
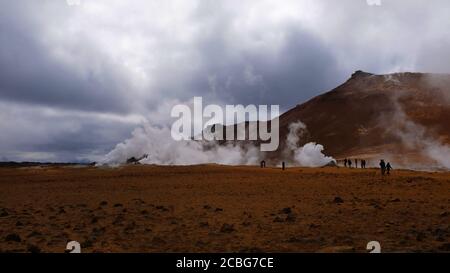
(311, 154)
(157, 143)
(163, 150)
(414, 136)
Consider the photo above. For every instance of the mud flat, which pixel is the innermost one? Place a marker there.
(212, 208)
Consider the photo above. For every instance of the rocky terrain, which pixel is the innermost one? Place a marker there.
(211, 208)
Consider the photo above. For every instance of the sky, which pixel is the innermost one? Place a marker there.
(75, 80)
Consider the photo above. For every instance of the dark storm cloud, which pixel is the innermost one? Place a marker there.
(35, 133)
(30, 73)
(298, 70)
(97, 68)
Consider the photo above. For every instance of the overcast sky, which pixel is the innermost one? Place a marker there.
(76, 80)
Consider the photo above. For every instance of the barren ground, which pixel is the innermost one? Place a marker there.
(222, 209)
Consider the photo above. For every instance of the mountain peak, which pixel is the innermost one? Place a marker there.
(360, 73)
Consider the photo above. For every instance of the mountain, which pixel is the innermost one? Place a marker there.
(403, 117)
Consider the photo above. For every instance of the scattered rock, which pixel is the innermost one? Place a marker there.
(286, 211)
(207, 207)
(119, 218)
(118, 205)
(219, 209)
(34, 234)
(204, 224)
(103, 203)
(162, 208)
(420, 236)
(395, 200)
(3, 212)
(227, 228)
(444, 214)
(95, 219)
(131, 226)
(144, 212)
(278, 220)
(158, 241)
(33, 249)
(98, 231)
(338, 200)
(19, 224)
(13, 237)
(291, 217)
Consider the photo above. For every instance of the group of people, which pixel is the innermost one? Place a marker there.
(348, 163)
(384, 167)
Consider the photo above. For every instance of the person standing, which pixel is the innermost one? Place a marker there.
(345, 162)
(388, 168)
(350, 163)
(356, 163)
(382, 167)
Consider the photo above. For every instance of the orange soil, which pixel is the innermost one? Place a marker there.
(212, 208)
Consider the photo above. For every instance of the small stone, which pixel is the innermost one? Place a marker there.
(278, 220)
(291, 217)
(227, 228)
(338, 200)
(34, 234)
(444, 214)
(3, 213)
(13, 237)
(33, 249)
(286, 210)
(420, 236)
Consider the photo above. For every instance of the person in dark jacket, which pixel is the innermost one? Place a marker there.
(382, 167)
(388, 168)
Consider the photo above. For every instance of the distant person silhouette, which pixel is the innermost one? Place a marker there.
(345, 162)
(388, 168)
(349, 163)
(356, 163)
(263, 164)
(382, 167)
(363, 164)
(283, 165)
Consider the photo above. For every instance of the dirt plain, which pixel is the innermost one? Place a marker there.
(211, 208)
